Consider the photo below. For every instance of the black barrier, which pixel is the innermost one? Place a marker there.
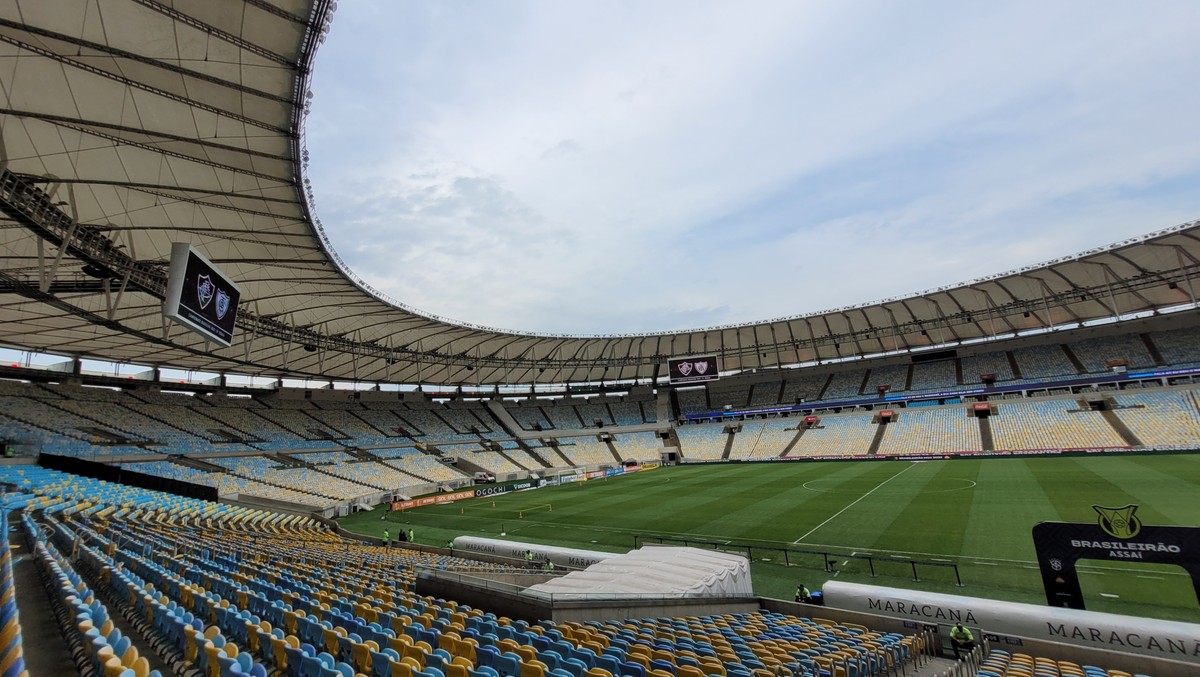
(827, 557)
(1117, 535)
(115, 473)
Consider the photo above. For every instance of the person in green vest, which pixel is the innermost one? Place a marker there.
(9, 452)
(529, 559)
(802, 594)
(411, 538)
(549, 565)
(387, 537)
(961, 639)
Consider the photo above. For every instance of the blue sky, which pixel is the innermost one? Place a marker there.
(610, 167)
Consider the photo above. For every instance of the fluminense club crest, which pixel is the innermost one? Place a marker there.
(1119, 522)
(205, 289)
(685, 368)
(222, 304)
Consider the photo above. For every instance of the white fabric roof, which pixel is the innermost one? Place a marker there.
(656, 571)
(147, 122)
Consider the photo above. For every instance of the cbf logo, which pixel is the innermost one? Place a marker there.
(1118, 522)
(205, 289)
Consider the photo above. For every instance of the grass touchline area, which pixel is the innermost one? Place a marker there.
(975, 512)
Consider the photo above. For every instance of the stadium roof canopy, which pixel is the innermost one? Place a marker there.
(131, 124)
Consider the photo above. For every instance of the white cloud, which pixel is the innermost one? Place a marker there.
(612, 167)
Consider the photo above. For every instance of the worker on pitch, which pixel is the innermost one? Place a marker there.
(802, 594)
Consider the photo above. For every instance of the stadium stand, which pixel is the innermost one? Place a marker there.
(231, 591)
(323, 457)
(1178, 347)
(522, 457)
(12, 651)
(239, 414)
(382, 417)
(563, 416)
(627, 413)
(763, 439)
(305, 480)
(895, 377)
(692, 401)
(549, 456)
(1000, 663)
(395, 452)
(432, 428)
(940, 430)
(346, 422)
(765, 393)
(585, 451)
(1050, 424)
(1044, 362)
(650, 411)
(702, 442)
(640, 446)
(1161, 418)
(428, 468)
(465, 421)
(1095, 353)
(846, 385)
(591, 412)
(494, 462)
(746, 441)
(48, 428)
(175, 471)
(735, 398)
(987, 363)
(807, 387)
(372, 474)
(844, 434)
(933, 376)
(528, 415)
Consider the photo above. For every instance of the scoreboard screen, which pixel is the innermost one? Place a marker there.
(692, 369)
(199, 296)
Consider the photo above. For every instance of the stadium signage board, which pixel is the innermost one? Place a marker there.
(1117, 534)
(200, 296)
(692, 369)
(1173, 640)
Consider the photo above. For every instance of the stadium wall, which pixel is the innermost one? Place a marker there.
(1168, 640)
(1132, 663)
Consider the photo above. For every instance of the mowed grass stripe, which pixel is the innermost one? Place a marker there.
(1074, 487)
(843, 493)
(1146, 482)
(933, 512)
(1008, 500)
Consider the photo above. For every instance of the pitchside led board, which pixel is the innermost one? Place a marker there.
(692, 369)
(199, 296)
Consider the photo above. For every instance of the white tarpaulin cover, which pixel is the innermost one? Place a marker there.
(563, 557)
(656, 571)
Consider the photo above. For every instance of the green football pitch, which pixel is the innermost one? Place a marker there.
(976, 513)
